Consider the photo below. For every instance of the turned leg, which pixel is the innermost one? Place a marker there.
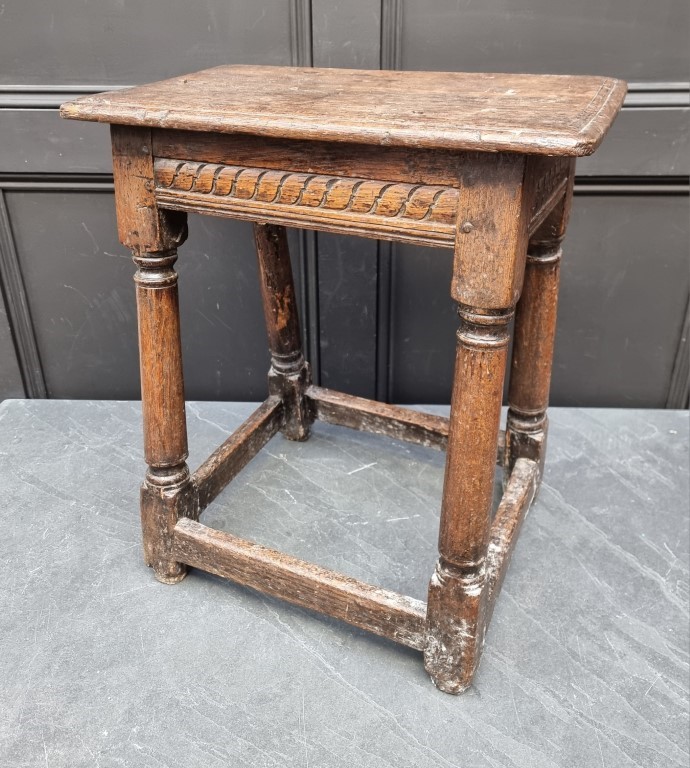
(167, 493)
(533, 344)
(457, 595)
(153, 235)
(490, 247)
(289, 375)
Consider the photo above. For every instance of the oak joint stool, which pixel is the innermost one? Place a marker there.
(479, 163)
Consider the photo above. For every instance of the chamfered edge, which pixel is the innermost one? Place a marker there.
(95, 108)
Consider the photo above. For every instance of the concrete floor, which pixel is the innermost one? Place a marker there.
(586, 662)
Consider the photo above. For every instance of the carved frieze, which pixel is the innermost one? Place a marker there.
(414, 212)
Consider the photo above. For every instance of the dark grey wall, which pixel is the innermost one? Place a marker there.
(378, 320)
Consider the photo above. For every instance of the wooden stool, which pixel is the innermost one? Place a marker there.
(479, 163)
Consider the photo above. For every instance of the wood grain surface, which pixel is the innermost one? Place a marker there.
(419, 213)
(505, 527)
(534, 335)
(377, 610)
(380, 418)
(289, 374)
(458, 593)
(534, 114)
(408, 165)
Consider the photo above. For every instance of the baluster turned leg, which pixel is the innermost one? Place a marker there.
(488, 268)
(153, 235)
(456, 599)
(533, 345)
(167, 493)
(289, 375)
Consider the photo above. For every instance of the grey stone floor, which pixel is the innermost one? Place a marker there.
(586, 662)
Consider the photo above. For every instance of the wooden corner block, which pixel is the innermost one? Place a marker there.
(142, 226)
(491, 234)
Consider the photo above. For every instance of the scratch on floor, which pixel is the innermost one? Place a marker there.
(658, 677)
(304, 733)
(359, 469)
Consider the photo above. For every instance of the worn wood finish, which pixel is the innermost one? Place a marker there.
(289, 375)
(536, 114)
(491, 235)
(505, 528)
(548, 182)
(380, 418)
(490, 254)
(457, 591)
(167, 492)
(414, 212)
(417, 213)
(141, 225)
(228, 460)
(534, 336)
(278, 297)
(394, 421)
(406, 165)
(153, 235)
(385, 613)
(165, 434)
(482, 163)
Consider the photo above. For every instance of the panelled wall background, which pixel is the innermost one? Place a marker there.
(378, 320)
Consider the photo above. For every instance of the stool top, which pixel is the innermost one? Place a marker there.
(531, 114)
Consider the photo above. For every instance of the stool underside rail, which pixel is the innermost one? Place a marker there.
(383, 612)
(396, 617)
(238, 450)
(380, 418)
(505, 528)
(393, 421)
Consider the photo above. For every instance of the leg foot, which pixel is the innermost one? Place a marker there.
(526, 437)
(167, 495)
(291, 386)
(455, 632)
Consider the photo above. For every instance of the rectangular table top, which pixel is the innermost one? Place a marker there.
(531, 114)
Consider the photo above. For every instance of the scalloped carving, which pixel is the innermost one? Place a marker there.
(414, 212)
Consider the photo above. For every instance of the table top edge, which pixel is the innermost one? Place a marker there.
(113, 107)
